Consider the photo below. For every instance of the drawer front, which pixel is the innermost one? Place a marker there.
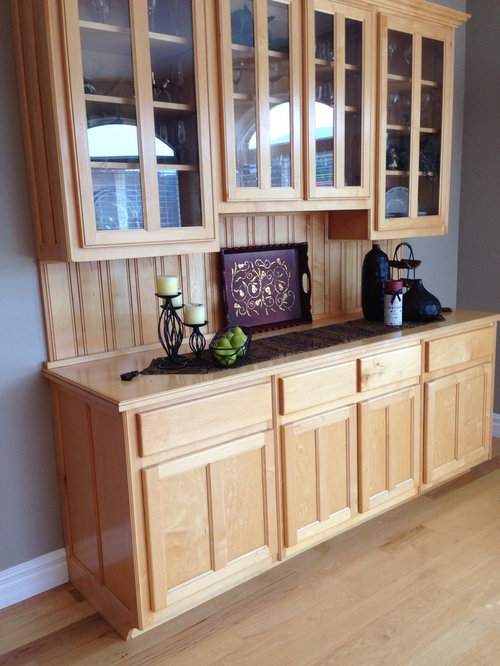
(308, 389)
(389, 367)
(456, 349)
(189, 422)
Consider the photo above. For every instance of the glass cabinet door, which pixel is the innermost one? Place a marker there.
(260, 63)
(133, 68)
(337, 77)
(413, 144)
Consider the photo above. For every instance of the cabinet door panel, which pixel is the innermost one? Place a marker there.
(260, 65)
(414, 131)
(319, 474)
(457, 422)
(339, 101)
(209, 516)
(389, 447)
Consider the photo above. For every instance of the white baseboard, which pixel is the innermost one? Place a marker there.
(496, 425)
(30, 578)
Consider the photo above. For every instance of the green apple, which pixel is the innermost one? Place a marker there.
(237, 343)
(224, 352)
(238, 331)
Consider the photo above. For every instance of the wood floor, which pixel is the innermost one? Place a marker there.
(419, 585)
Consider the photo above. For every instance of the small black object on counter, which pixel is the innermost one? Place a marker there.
(375, 272)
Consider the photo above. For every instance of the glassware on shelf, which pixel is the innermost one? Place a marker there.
(152, 7)
(101, 10)
(238, 71)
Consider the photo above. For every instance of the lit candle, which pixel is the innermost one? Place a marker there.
(177, 301)
(167, 285)
(194, 314)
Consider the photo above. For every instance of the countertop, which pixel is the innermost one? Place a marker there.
(101, 376)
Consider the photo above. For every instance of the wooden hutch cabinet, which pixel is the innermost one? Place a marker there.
(118, 137)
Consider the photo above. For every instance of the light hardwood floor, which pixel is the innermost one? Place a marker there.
(419, 585)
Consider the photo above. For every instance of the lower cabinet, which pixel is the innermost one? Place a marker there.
(389, 448)
(457, 423)
(319, 474)
(209, 516)
(169, 501)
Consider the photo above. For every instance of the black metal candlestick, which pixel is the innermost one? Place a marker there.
(170, 331)
(197, 340)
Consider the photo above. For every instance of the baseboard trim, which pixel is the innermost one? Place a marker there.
(32, 577)
(496, 425)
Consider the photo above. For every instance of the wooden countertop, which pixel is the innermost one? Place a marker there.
(101, 376)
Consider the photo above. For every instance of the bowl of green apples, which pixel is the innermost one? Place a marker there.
(230, 345)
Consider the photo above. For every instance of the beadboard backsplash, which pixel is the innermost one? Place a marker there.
(98, 307)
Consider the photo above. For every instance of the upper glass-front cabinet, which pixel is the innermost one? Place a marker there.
(338, 76)
(134, 68)
(415, 114)
(260, 66)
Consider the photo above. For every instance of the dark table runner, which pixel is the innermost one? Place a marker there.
(279, 346)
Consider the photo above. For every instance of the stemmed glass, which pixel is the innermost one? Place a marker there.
(102, 9)
(152, 6)
(392, 103)
(181, 140)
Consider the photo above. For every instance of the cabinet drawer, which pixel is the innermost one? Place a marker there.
(308, 389)
(389, 367)
(462, 348)
(188, 422)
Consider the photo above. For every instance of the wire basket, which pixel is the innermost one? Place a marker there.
(402, 264)
(228, 354)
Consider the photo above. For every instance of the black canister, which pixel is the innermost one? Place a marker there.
(374, 273)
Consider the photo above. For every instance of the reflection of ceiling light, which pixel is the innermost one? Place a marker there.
(118, 140)
(279, 119)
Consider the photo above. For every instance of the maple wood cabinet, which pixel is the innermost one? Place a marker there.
(175, 488)
(120, 125)
(458, 404)
(145, 138)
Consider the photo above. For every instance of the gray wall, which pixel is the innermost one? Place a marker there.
(479, 240)
(29, 516)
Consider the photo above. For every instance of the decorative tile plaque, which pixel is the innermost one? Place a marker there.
(266, 286)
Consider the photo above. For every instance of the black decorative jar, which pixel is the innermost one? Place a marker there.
(375, 272)
(419, 304)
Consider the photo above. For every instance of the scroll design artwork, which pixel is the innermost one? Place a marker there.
(261, 287)
(266, 286)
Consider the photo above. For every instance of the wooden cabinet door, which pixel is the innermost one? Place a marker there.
(457, 423)
(389, 447)
(125, 103)
(261, 79)
(319, 474)
(210, 516)
(415, 126)
(340, 95)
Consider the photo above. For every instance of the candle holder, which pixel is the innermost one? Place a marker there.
(170, 331)
(197, 342)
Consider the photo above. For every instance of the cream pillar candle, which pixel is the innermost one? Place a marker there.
(167, 285)
(194, 314)
(177, 301)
